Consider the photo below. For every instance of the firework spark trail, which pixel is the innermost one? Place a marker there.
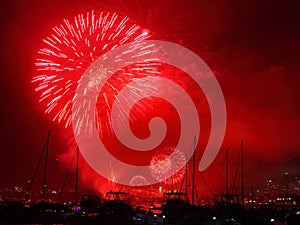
(68, 52)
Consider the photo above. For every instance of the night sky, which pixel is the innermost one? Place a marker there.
(252, 47)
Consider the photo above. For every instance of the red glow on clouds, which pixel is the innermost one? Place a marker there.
(147, 109)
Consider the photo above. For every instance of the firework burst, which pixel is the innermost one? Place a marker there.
(69, 51)
(162, 166)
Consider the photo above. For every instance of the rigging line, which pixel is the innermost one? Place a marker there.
(207, 185)
(35, 172)
(236, 172)
(67, 177)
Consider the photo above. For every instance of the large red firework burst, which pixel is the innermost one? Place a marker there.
(68, 52)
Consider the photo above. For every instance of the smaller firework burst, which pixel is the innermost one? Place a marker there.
(138, 180)
(165, 162)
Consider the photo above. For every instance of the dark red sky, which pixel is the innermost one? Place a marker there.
(252, 47)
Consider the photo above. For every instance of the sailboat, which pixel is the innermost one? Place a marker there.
(229, 207)
(178, 209)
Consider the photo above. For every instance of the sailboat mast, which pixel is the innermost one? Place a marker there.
(45, 168)
(186, 177)
(193, 177)
(242, 158)
(76, 176)
(227, 176)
